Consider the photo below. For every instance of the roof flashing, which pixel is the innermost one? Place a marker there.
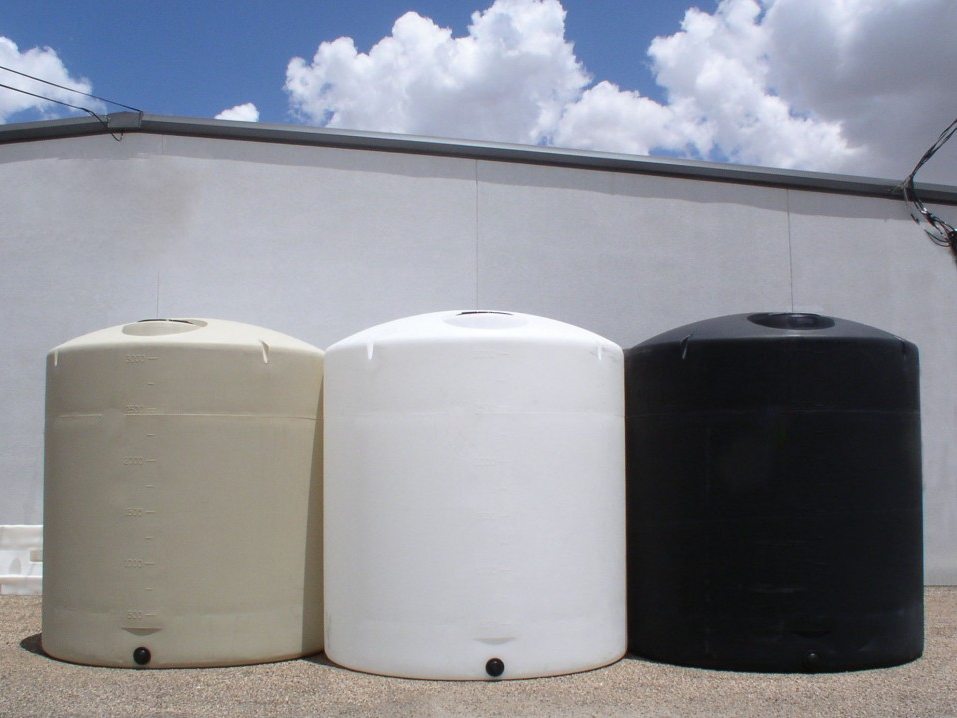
(122, 122)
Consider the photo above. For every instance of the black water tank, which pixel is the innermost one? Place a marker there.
(774, 495)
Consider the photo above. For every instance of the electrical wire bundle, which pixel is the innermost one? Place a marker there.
(940, 232)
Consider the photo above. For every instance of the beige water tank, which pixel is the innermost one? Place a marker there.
(183, 495)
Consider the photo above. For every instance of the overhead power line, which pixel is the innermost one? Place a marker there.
(103, 120)
(62, 87)
(50, 99)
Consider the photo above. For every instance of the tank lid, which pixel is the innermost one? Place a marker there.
(792, 320)
(159, 327)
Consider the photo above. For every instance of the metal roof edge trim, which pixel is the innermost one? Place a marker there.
(122, 122)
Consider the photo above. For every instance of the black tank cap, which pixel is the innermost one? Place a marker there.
(789, 320)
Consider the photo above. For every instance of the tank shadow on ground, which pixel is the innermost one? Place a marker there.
(320, 660)
(33, 645)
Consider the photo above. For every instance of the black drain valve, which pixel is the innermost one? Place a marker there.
(495, 667)
(141, 656)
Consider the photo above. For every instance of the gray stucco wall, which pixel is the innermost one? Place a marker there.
(321, 242)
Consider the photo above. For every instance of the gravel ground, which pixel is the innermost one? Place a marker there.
(32, 684)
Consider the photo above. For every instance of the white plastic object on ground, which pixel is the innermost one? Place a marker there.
(21, 560)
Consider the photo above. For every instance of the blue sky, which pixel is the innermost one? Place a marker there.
(856, 86)
(182, 57)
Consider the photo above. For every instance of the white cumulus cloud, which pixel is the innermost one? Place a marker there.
(882, 69)
(716, 70)
(39, 62)
(510, 79)
(247, 112)
(605, 117)
(856, 86)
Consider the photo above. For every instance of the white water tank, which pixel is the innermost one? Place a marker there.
(474, 498)
(182, 501)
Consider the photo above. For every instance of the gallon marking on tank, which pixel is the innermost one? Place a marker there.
(139, 460)
(134, 616)
(138, 409)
